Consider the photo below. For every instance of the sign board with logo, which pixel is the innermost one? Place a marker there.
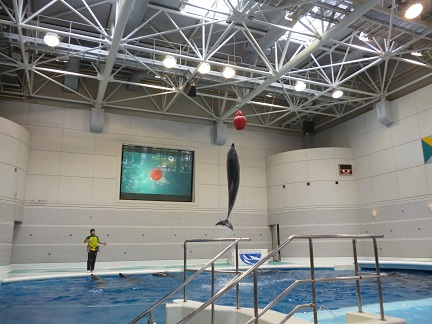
(345, 169)
(248, 257)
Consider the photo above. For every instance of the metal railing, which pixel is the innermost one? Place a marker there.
(312, 281)
(236, 271)
(211, 263)
(242, 275)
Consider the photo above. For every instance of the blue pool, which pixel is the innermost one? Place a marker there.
(407, 294)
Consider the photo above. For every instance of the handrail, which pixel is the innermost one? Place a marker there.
(294, 310)
(215, 271)
(212, 270)
(240, 277)
(211, 262)
(304, 281)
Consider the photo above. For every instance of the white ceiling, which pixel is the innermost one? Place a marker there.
(117, 48)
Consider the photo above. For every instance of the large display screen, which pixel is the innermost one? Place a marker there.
(157, 174)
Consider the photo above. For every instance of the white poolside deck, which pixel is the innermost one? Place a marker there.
(38, 271)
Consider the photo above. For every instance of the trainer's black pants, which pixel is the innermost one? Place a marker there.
(91, 260)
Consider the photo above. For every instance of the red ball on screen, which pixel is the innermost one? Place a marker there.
(156, 174)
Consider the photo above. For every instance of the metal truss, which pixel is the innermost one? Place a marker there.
(121, 44)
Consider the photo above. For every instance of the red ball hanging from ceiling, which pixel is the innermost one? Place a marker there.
(239, 120)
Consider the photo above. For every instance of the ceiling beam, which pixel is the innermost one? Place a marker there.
(336, 30)
(122, 20)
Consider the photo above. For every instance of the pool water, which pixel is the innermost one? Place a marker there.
(406, 294)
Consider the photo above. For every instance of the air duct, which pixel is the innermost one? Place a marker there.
(72, 81)
(135, 77)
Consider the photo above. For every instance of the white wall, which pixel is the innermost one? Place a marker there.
(14, 151)
(76, 173)
(73, 179)
(306, 195)
(391, 175)
(305, 178)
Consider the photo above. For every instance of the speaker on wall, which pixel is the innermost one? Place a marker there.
(220, 134)
(190, 89)
(97, 120)
(384, 112)
(308, 127)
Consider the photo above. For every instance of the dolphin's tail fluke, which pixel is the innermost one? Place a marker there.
(226, 223)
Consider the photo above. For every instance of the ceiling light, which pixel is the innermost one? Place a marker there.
(413, 11)
(269, 95)
(169, 61)
(288, 16)
(300, 86)
(416, 54)
(51, 39)
(337, 94)
(364, 37)
(204, 68)
(228, 72)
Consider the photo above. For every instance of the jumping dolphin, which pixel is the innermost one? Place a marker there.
(233, 175)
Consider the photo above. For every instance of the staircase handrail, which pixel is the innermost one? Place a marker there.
(243, 275)
(209, 263)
